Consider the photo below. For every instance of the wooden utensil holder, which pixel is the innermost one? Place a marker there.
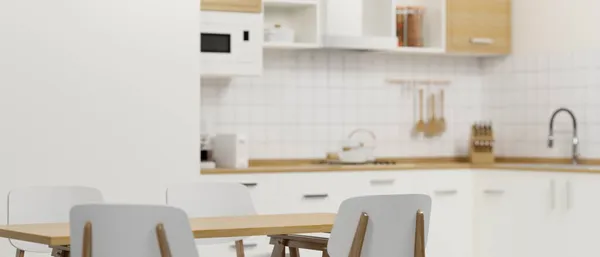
(481, 146)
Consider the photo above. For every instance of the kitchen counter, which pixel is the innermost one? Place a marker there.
(407, 166)
(328, 167)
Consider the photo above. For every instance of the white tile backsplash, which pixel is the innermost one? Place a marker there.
(521, 92)
(306, 102)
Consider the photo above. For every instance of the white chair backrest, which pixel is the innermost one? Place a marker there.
(130, 230)
(45, 204)
(390, 229)
(212, 200)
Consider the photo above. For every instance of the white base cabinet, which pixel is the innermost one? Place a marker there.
(475, 213)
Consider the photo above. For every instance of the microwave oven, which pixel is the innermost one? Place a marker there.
(231, 43)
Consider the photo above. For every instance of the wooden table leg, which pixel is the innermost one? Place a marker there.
(239, 248)
(20, 253)
(61, 251)
(294, 252)
(325, 254)
(278, 250)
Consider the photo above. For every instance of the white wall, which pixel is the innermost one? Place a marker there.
(99, 93)
(542, 26)
(307, 102)
(555, 64)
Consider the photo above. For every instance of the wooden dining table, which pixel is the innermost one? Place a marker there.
(56, 235)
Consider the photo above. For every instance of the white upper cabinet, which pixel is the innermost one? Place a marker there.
(418, 26)
(373, 25)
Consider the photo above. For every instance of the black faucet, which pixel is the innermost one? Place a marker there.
(575, 139)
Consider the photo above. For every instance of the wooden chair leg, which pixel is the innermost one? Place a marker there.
(161, 235)
(359, 236)
(87, 240)
(239, 248)
(20, 253)
(278, 250)
(420, 235)
(297, 242)
(294, 252)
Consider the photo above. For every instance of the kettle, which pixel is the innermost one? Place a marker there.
(354, 151)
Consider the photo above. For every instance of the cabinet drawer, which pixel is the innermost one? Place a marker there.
(443, 183)
(491, 37)
(303, 192)
(257, 184)
(384, 183)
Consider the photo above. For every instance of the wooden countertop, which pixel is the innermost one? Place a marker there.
(58, 233)
(504, 164)
(326, 167)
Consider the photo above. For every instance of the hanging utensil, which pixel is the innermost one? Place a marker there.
(431, 128)
(420, 126)
(442, 124)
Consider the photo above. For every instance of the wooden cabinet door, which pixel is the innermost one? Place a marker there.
(252, 6)
(479, 26)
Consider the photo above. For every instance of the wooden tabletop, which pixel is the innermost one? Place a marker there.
(58, 233)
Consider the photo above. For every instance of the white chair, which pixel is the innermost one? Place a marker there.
(396, 226)
(103, 230)
(370, 226)
(213, 200)
(45, 204)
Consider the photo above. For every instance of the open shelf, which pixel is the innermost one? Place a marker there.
(418, 50)
(371, 25)
(434, 24)
(359, 24)
(301, 16)
(291, 46)
(290, 3)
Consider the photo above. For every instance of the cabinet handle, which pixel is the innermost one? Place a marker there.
(481, 41)
(552, 194)
(250, 184)
(446, 192)
(381, 181)
(493, 191)
(314, 196)
(568, 194)
(253, 245)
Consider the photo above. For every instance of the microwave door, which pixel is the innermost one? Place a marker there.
(218, 43)
(215, 43)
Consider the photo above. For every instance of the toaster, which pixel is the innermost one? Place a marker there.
(230, 151)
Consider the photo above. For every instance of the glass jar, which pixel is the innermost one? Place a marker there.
(401, 25)
(414, 26)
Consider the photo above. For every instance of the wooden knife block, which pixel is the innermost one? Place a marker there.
(481, 146)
